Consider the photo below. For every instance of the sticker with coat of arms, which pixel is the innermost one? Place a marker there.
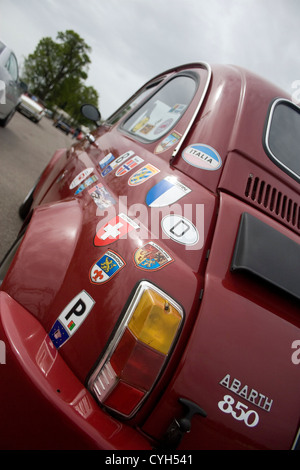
(151, 257)
(143, 175)
(106, 267)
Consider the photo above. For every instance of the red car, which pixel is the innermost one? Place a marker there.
(152, 298)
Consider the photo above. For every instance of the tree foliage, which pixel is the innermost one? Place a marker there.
(56, 72)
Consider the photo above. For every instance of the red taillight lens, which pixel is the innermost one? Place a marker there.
(139, 365)
(124, 398)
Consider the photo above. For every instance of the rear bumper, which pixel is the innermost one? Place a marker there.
(43, 405)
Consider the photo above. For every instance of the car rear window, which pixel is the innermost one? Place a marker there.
(161, 112)
(132, 103)
(282, 137)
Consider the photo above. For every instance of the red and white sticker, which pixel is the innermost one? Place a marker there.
(116, 228)
(81, 177)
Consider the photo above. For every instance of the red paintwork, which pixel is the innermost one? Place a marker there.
(44, 394)
(238, 328)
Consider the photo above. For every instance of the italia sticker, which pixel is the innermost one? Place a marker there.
(106, 267)
(180, 229)
(101, 196)
(81, 177)
(116, 228)
(151, 257)
(71, 318)
(129, 165)
(166, 192)
(143, 175)
(202, 156)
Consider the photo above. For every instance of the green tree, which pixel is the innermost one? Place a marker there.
(56, 71)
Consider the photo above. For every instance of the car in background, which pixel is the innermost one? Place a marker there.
(32, 107)
(10, 89)
(152, 298)
(63, 126)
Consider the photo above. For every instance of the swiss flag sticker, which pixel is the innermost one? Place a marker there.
(116, 228)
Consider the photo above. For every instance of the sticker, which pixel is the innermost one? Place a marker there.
(140, 124)
(116, 228)
(129, 165)
(168, 142)
(106, 160)
(117, 162)
(166, 192)
(151, 257)
(163, 126)
(202, 156)
(143, 175)
(178, 108)
(86, 183)
(71, 318)
(180, 229)
(106, 267)
(147, 128)
(81, 177)
(101, 196)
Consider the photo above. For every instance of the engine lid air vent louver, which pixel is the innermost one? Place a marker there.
(273, 200)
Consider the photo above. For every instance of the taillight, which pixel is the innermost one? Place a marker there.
(138, 351)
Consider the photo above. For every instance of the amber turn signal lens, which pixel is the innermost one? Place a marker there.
(155, 322)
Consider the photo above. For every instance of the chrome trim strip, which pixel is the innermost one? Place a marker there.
(209, 74)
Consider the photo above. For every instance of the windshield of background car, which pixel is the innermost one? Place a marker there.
(161, 112)
(282, 137)
(12, 67)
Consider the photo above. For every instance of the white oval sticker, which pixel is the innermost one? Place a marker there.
(180, 229)
(81, 177)
(202, 156)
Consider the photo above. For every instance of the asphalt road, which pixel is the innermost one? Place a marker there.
(25, 150)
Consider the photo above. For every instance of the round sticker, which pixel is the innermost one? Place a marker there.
(202, 156)
(180, 229)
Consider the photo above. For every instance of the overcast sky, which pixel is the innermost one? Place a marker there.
(133, 40)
